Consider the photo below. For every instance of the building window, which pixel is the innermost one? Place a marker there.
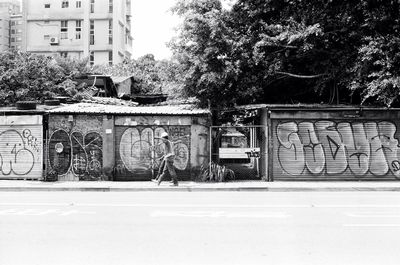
(91, 58)
(91, 32)
(64, 54)
(110, 57)
(46, 37)
(110, 32)
(46, 5)
(78, 29)
(78, 4)
(110, 6)
(64, 4)
(64, 29)
(91, 6)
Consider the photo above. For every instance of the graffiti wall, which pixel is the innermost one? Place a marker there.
(75, 147)
(21, 139)
(139, 150)
(331, 149)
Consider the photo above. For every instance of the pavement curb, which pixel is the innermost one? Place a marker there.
(197, 189)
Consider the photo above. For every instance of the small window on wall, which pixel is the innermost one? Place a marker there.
(91, 58)
(91, 6)
(64, 29)
(64, 4)
(91, 33)
(110, 6)
(110, 31)
(78, 29)
(46, 5)
(46, 37)
(110, 57)
(78, 4)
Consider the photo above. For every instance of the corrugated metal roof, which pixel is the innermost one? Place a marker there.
(119, 79)
(92, 108)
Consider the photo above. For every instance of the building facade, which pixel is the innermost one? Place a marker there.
(96, 29)
(9, 10)
(16, 28)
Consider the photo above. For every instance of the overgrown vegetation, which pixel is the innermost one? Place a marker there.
(290, 51)
(151, 76)
(215, 173)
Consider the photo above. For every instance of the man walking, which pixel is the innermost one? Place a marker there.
(167, 165)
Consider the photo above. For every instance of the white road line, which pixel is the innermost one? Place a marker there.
(371, 225)
(195, 205)
(373, 215)
(217, 214)
(38, 212)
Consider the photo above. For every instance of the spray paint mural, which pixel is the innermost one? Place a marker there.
(140, 150)
(20, 152)
(328, 148)
(76, 148)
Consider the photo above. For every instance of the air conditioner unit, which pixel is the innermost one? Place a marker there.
(53, 40)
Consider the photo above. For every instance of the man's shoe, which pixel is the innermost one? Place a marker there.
(154, 180)
(174, 184)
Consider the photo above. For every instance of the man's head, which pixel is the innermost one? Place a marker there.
(164, 135)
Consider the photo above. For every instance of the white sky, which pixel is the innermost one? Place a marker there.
(152, 27)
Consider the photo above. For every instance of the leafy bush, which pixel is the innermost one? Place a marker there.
(216, 173)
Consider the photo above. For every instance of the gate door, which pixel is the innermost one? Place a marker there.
(241, 149)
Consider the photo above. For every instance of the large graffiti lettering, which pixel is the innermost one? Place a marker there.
(18, 152)
(77, 153)
(141, 149)
(326, 147)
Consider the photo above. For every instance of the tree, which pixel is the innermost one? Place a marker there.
(277, 51)
(151, 76)
(31, 77)
(25, 76)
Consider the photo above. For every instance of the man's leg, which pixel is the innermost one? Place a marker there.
(164, 171)
(171, 169)
(160, 170)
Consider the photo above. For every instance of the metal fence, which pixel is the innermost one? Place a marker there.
(240, 150)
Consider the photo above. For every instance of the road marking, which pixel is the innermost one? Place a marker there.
(39, 212)
(372, 225)
(195, 205)
(218, 214)
(373, 215)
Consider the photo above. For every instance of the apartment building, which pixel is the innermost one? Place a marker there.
(16, 28)
(8, 9)
(96, 29)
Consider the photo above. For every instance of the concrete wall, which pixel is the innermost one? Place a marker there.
(21, 149)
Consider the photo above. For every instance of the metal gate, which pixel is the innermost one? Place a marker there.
(335, 149)
(21, 151)
(139, 150)
(240, 149)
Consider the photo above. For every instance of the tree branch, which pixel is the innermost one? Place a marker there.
(300, 76)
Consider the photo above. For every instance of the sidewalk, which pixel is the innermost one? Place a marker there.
(188, 186)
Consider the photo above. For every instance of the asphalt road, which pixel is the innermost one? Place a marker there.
(199, 228)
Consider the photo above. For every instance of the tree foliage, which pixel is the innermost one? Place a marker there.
(151, 76)
(30, 77)
(283, 51)
(25, 76)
